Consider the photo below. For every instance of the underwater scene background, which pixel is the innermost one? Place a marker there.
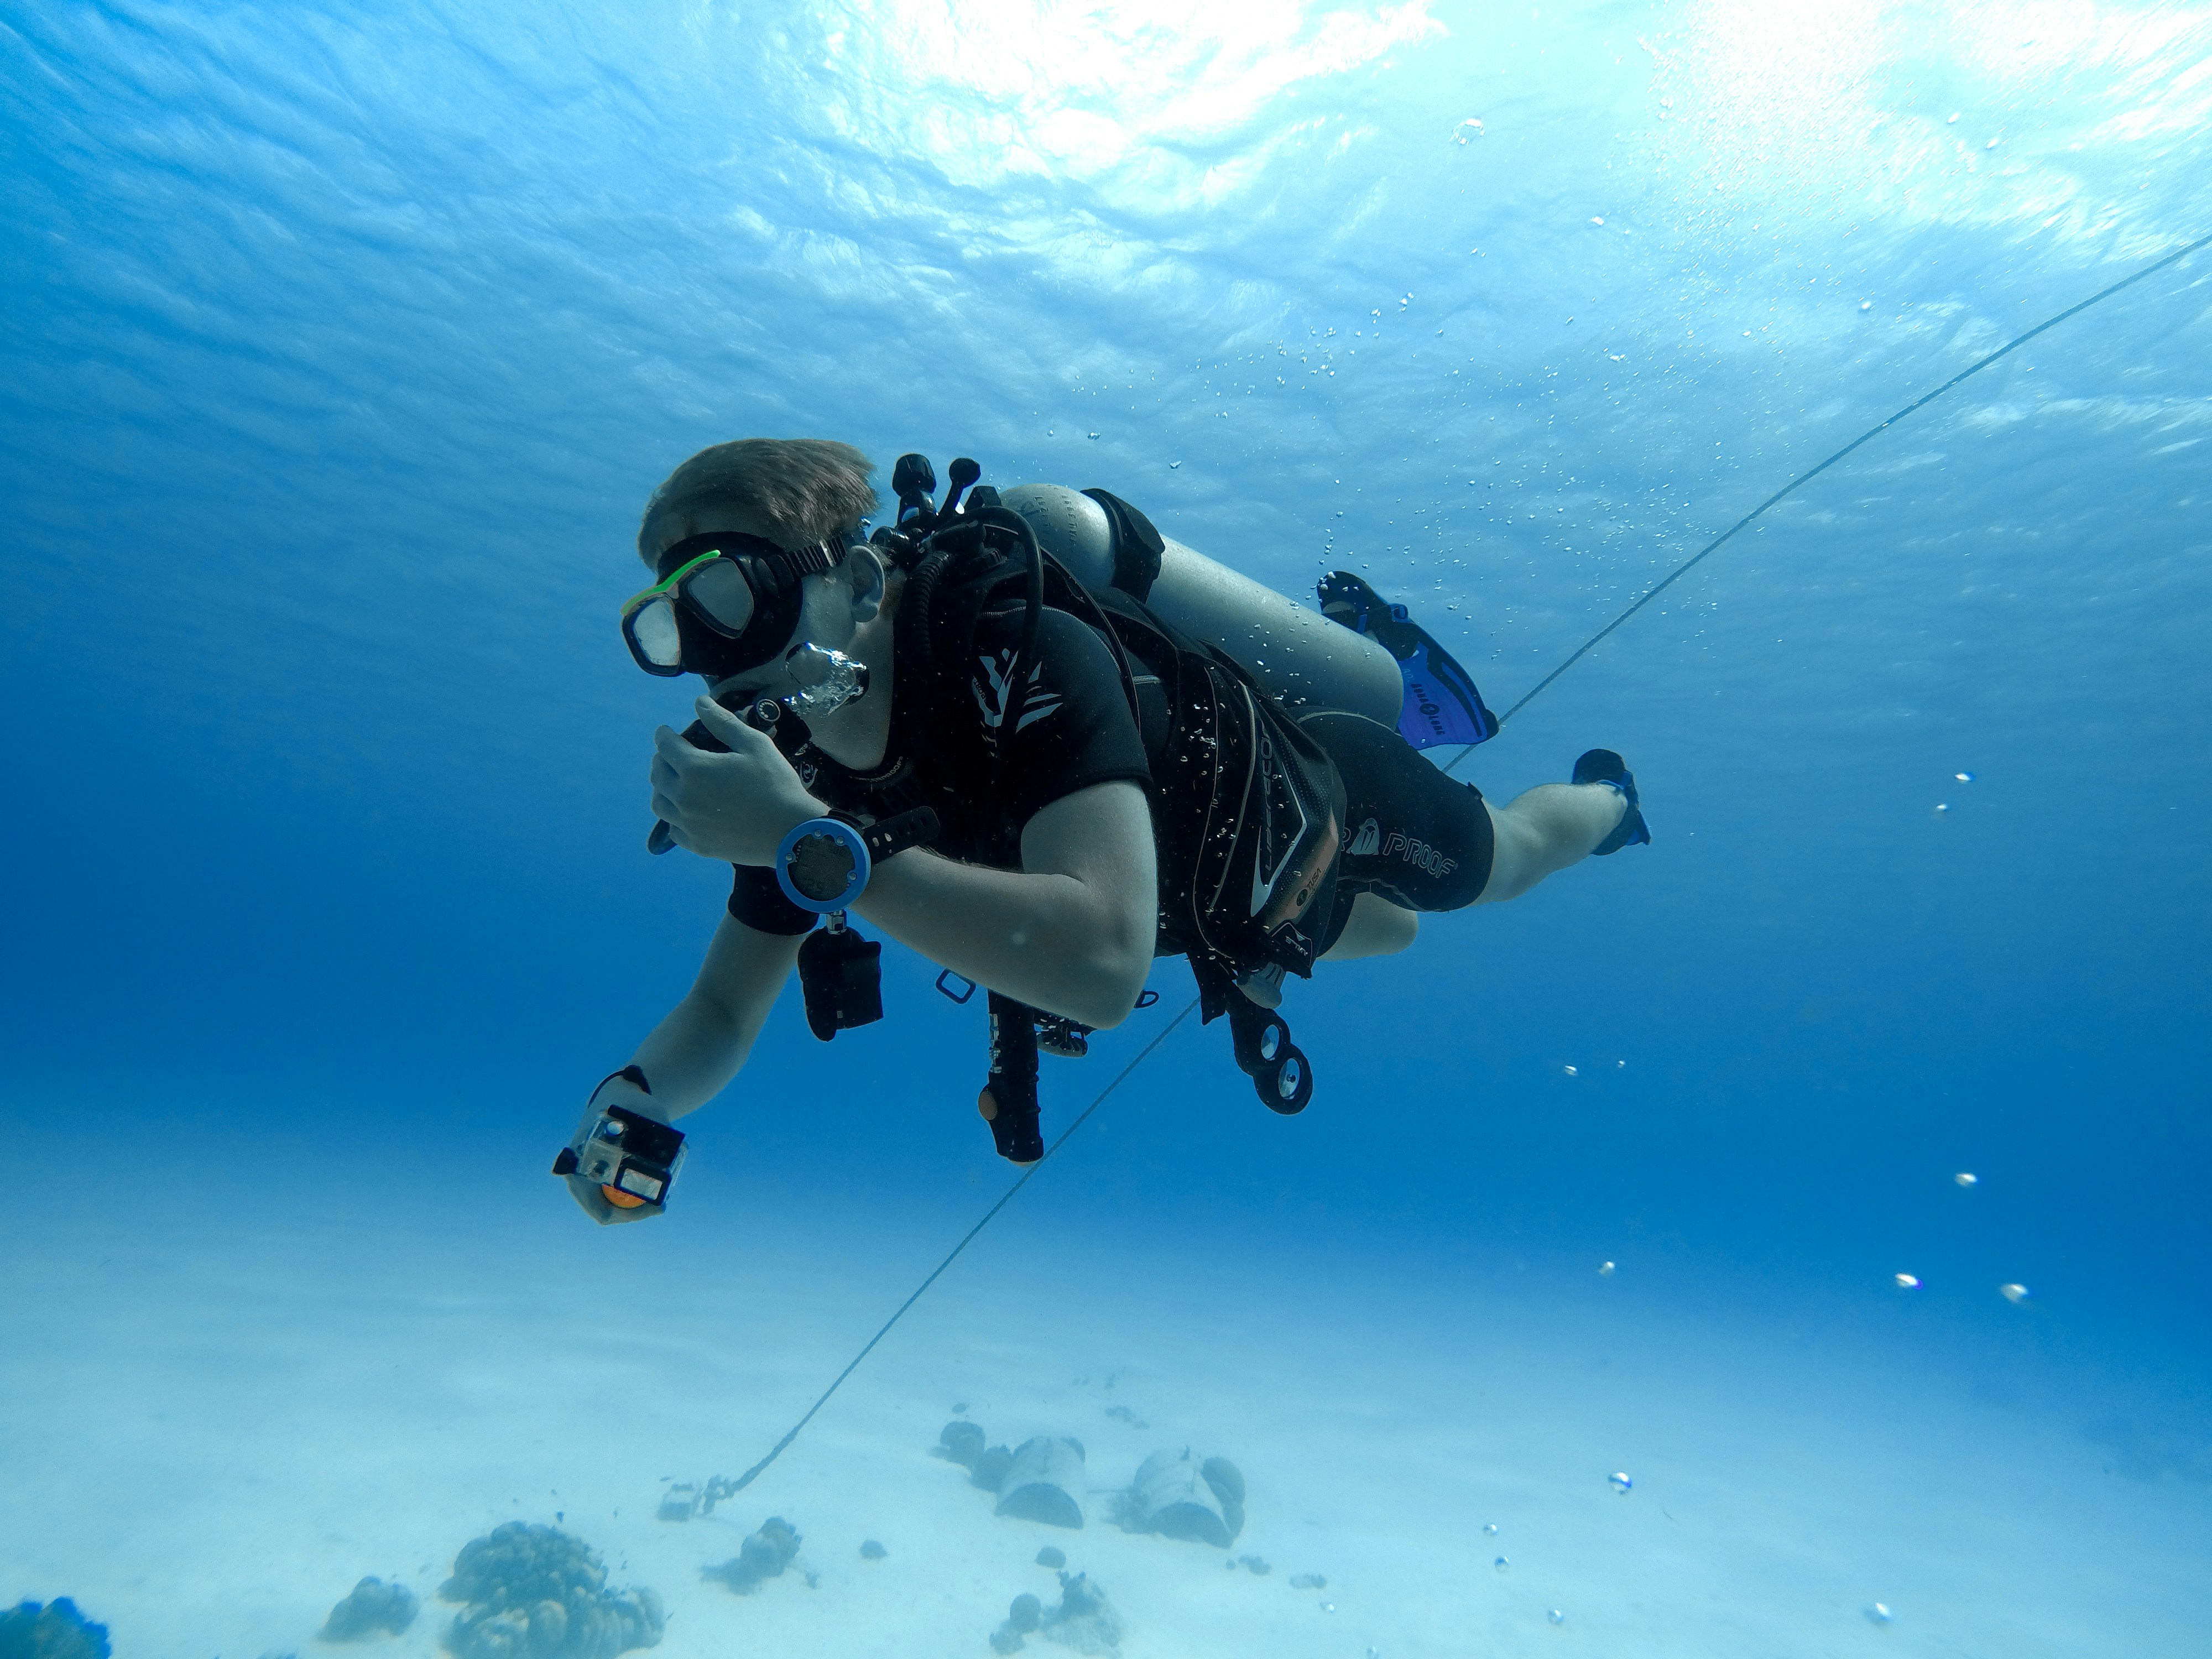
(342, 347)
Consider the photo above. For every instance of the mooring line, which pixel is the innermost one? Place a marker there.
(1804, 478)
(719, 1488)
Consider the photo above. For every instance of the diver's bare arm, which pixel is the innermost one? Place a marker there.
(692, 1055)
(1070, 931)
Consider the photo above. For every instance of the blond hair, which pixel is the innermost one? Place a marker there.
(803, 489)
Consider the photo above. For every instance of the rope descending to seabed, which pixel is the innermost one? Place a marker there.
(721, 1488)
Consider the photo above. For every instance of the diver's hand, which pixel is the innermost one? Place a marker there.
(590, 1196)
(735, 808)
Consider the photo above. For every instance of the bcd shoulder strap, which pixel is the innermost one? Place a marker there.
(1138, 547)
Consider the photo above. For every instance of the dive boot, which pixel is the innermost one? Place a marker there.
(1441, 703)
(1603, 765)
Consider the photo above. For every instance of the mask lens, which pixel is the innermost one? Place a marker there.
(654, 639)
(719, 593)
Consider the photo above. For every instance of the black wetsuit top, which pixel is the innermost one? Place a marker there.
(1072, 728)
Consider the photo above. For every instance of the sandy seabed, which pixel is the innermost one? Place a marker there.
(216, 1423)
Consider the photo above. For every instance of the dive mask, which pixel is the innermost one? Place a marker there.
(725, 603)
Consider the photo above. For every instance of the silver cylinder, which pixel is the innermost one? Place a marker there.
(1045, 1482)
(1298, 657)
(1172, 1496)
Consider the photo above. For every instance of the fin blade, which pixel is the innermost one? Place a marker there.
(1442, 704)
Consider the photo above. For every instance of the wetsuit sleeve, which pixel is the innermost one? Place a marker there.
(757, 900)
(1071, 724)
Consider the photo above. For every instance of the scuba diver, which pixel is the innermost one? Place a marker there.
(1040, 744)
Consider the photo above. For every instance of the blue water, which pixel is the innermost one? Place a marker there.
(339, 349)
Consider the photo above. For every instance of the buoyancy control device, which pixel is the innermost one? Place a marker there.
(1246, 808)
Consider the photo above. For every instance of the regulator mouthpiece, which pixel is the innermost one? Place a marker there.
(826, 679)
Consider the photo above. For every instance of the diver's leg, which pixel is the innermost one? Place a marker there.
(1422, 842)
(1414, 839)
(1545, 830)
(1376, 928)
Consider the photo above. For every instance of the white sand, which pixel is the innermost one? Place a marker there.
(211, 1435)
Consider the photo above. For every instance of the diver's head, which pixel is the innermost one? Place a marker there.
(755, 546)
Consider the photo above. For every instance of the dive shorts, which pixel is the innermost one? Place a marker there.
(1411, 835)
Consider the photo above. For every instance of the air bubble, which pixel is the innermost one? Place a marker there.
(1556, 1616)
(1490, 1529)
(1866, 305)
(1879, 1614)
(1967, 1178)
(1502, 1564)
(2014, 1294)
(1605, 1270)
(1572, 1072)
(1622, 1483)
(1907, 1282)
(1964, 777)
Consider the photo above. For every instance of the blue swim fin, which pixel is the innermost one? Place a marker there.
(1442, 705)
(1603, 765)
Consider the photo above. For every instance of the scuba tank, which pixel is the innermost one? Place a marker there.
(1298, 657)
